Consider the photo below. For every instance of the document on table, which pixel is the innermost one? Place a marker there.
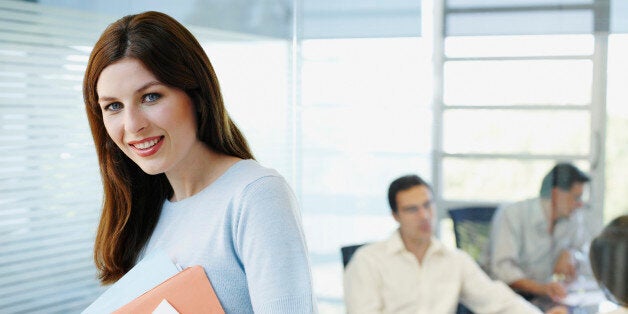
(582, 292)
(148, 273)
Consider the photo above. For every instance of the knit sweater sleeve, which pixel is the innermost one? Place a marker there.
(270, 243)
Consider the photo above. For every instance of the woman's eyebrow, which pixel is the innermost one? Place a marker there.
(147, 85)
(139, 90)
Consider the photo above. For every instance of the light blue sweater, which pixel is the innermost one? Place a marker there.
(245, 230)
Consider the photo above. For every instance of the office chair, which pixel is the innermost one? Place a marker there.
(472, 227)
(347, 253)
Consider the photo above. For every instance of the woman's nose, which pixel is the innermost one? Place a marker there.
(135, 119)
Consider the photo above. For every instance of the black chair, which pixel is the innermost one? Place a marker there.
(347, 253)
(472, 227)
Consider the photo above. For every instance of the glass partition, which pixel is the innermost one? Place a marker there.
(340, 97)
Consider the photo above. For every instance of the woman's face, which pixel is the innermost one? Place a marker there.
(152, 123)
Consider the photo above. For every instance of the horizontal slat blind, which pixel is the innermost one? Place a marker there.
(50, 190)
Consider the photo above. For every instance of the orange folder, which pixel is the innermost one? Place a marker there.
(189, 292)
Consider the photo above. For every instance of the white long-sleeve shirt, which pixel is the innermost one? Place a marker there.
(384, 277)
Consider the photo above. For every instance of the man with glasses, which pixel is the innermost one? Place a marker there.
(413, 272)
(537, 244)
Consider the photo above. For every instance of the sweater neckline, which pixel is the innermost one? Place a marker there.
(184, 202)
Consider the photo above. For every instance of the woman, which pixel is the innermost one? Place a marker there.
(609, 261)
(179, 176)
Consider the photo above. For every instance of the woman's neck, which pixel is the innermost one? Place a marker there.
(200, 170)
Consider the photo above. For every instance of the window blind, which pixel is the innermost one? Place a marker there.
(50, 190)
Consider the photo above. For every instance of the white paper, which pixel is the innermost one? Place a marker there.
(583, 291)
(165, 308)
(584, 298)
(148, 273)
(583, 283)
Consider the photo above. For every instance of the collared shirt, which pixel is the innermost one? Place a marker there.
(522, 247)
(620, 310)
(384, 277)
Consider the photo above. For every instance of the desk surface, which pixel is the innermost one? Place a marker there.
(584, 297)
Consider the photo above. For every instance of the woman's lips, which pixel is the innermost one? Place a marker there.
(147, 147)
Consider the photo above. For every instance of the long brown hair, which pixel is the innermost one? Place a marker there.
(608, 255)
(133, 199)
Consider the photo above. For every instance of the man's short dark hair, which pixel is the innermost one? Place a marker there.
(562, 176)
(402, 184)
(609, 259)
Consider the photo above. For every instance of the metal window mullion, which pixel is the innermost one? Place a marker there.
(295, 102)
(515, 156)
(586, 107)
(520, 58)
(438, 44)
(522, 8)
(598, 115)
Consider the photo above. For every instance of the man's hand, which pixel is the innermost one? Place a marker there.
(566, 266)
(555, 291)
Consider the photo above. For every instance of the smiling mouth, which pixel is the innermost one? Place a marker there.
(147, 147)
(147, 144)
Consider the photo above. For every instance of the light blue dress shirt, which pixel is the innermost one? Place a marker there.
(522, 247)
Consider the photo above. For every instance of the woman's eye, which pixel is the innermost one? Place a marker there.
(151, 97)
(113, 106)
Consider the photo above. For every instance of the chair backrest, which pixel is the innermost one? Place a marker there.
(347, 253)
(472, 227)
